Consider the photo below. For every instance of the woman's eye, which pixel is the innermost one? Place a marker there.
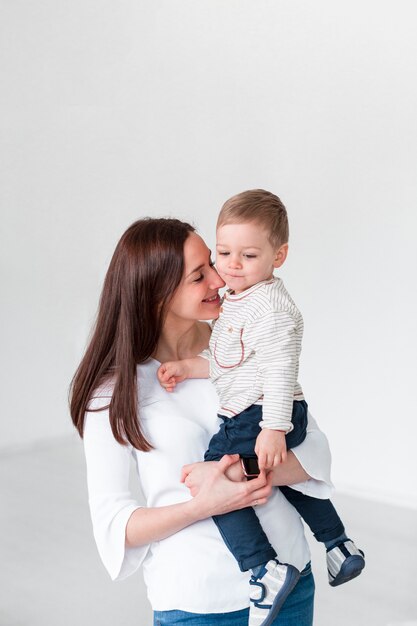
(199, 279)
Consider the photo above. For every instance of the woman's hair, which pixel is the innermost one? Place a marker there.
(146, 269)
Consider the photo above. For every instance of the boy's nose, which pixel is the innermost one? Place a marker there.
(235, 263)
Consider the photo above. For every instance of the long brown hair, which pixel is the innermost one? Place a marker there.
(146, 268)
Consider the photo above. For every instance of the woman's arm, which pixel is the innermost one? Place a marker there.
(123, 529)
(307, 467)
(217, 495)
(287, 473)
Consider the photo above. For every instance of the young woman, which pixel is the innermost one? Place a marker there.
(160, 287)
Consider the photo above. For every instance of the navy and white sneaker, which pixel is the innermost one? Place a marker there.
(270, 589)
(344, 562)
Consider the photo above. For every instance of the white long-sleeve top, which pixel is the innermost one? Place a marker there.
(254, 353)
(191, 570)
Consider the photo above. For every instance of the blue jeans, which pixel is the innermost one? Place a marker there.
(241, 530)
(297, 610)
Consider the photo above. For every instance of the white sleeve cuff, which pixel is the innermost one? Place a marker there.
(315, 457)
(120, 561)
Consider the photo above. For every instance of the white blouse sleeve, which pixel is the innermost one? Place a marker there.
(111, 502)
(314, 456)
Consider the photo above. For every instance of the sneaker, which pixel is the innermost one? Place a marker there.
(271, 587)
(344, 562)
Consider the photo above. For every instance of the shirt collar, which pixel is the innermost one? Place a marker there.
(233, 297)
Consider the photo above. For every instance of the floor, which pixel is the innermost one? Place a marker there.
(51, 574)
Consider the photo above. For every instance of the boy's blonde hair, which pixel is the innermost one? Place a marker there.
(257, 205)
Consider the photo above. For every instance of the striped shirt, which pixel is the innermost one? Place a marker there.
(254, 353)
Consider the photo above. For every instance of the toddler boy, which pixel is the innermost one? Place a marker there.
(253, 361)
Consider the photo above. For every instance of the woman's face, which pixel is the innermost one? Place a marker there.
(197, 296)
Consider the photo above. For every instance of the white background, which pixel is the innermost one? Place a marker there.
(115, 110)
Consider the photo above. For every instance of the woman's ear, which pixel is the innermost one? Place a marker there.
(281, 255)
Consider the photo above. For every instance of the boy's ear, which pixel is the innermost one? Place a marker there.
(281, 255)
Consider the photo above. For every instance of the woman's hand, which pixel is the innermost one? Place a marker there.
(214, 493)
(194, 474)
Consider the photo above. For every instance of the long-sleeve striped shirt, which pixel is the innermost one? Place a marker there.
(254, 353)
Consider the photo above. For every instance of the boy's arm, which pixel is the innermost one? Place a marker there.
(275, 342)
(173, 372)
(198, 367)
(270, 448)
(274, 338)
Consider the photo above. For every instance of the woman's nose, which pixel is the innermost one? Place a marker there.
(216, 282)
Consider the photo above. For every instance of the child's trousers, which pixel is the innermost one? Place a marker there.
(241, 530)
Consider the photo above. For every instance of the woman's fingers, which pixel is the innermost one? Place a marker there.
(187, 469)
(260, 488)
(218, 494)
(259, 501)
(226, 461)
(199, 473)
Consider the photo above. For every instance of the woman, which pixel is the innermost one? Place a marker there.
(159, 289)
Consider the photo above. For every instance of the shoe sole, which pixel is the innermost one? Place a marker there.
(290, 582)
(351, 568)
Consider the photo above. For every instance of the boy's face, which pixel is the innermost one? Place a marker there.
(245, 256)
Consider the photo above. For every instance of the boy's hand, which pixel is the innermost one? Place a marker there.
(270, 448)
(171, 373)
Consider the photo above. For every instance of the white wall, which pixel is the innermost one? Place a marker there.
(111, 111)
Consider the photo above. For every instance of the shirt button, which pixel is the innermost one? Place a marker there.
(230, 329)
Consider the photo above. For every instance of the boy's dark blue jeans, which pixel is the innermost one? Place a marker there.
(241, 530)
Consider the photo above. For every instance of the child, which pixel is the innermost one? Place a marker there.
(253, 362)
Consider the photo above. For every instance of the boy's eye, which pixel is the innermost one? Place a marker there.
(223, 253)
(250, 256)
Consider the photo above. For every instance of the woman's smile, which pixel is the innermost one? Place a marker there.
(213, 299)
